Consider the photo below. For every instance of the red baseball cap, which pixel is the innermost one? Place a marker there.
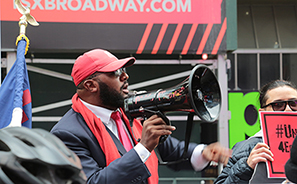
(97, 60)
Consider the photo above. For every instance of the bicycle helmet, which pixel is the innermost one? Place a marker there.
(35, 156)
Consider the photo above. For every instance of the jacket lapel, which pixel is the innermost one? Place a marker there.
(118, 144)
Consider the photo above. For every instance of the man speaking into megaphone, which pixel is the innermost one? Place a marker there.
(98, 131)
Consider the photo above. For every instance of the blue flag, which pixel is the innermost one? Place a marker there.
(15, 95)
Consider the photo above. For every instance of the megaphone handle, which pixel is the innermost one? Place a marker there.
(161, 115)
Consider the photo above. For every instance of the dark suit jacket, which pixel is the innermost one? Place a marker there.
(77, 136)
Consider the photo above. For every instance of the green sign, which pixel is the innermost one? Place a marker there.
(238, 126)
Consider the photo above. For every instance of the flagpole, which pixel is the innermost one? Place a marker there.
(24, 20)
(22, 107)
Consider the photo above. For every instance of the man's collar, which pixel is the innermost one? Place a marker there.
(101, 112)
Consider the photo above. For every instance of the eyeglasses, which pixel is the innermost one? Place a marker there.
(119, 72)
(79, 86)
(281, 105)
(116, 73)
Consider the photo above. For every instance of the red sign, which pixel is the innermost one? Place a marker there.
(279, 130)
(118, 11)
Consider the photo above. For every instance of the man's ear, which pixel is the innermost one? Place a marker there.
(91, 85)
(261, 109)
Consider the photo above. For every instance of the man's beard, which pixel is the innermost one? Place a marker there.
(110, 97)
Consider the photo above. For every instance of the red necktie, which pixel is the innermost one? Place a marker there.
(123, 136)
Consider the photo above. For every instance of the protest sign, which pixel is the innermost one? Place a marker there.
(279, 130)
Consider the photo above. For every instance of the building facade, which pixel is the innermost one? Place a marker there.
(260, 45)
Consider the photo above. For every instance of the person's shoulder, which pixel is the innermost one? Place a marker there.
(249, 141)
(246, 145)
(70, 119)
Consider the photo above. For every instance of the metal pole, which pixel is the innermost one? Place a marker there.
(223, 126)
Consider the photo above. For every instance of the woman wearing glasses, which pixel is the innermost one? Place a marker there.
(247, 164)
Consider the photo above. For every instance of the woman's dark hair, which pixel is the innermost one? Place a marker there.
(272, 85)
